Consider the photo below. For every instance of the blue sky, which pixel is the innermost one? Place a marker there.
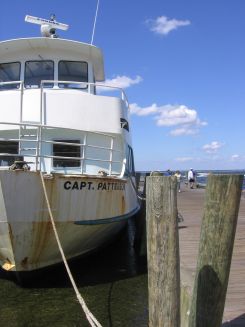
(181, 63)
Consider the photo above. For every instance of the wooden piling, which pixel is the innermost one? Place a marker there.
(218, 228)
(162, 252)
(156, 173)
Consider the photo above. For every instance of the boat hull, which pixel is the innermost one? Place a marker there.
(88, 211)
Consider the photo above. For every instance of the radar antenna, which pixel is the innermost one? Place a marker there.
(48, 27)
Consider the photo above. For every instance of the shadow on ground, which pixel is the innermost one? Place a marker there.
(238, 322)
(116, 261)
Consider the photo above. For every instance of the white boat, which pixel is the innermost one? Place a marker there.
(54, 121)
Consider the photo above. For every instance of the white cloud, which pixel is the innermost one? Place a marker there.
(185, 130)
(213, 147)
(163, 25)
(184, 159)
(121, 82)
(137, 110)
(235, 157)
(185, 118)
(170, 115)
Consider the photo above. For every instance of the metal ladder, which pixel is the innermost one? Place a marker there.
(28, 142)
(29, 135)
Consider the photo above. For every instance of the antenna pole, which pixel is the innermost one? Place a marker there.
(95, 19)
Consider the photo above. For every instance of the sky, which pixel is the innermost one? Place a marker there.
(180, 62)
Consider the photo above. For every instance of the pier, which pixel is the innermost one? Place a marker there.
(214, 214)
(190, 205)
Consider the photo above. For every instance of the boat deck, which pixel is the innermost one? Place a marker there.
(190, 205)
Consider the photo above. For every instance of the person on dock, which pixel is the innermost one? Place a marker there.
(178, 176)
(191, 178)
(168, 173)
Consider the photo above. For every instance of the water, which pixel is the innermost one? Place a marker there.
(113, 282)
(202, 176)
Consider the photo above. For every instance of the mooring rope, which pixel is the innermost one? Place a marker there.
(180, 218)
(92, 320)
(135, 189)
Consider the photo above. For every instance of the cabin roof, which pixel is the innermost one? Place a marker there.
(86, 51)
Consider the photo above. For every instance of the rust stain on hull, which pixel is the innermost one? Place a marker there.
(41, 232)
(24, 263)
(30, 238)
(8, 266)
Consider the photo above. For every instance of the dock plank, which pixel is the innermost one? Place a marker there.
(191, 206)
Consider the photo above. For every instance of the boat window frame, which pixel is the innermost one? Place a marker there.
(130, 167)
(46, 85)
(68, 85)
(11, 86)
(13, 152)
(124, 124)
(78, 146)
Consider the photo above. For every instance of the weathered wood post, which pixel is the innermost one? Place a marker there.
(218, 229)
(163, 251)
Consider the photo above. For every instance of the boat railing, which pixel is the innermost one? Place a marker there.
(86, 86)
(40, 126)
(83, 86)
(105, 87)
(39, 153)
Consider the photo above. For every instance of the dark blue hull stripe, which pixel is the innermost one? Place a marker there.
(108, 220)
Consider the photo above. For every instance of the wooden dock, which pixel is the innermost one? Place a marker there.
(190, 206)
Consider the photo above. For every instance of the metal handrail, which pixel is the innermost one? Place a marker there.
(50, 126)
(39, 141)
(10, 82)
(40, 127)
(57, 82)
(89, 85)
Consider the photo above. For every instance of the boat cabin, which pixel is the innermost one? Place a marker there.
(52, 114)
(41, 59)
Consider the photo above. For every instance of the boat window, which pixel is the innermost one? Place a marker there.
(66, 150)
(124, 124)
(130, 170)
(37, 71)
(10, 72)
(8, 147)
(73, 71)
